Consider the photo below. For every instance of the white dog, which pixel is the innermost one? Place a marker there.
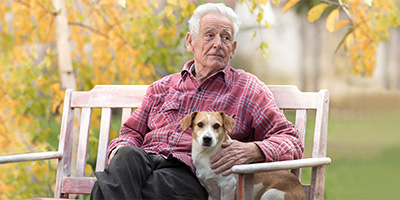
(209, 130)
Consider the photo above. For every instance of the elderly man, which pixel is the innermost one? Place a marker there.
(151, 159)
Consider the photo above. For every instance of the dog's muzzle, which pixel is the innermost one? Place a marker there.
(207, 141)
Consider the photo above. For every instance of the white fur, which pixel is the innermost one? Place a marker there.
(273, 194)
(217, 186)
(257, 188)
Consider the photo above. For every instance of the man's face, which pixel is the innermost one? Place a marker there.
(213, 47)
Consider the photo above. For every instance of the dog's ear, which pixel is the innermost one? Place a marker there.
(186, 122)
(229, 122)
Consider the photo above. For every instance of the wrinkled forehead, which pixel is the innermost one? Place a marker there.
(215, 21)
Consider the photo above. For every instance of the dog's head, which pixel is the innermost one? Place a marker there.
(208, 127)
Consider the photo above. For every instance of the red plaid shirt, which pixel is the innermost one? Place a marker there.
(155, 125)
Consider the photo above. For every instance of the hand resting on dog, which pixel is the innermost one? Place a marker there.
(234, 152)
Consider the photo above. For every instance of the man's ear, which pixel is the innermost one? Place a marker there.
(189, 41)
(233, 49)
(186, 122)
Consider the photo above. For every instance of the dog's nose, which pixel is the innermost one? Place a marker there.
(207, 141)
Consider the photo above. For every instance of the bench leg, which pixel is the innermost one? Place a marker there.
(245, 186)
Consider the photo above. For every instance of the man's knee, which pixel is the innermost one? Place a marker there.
(129, 151)
(131, 157)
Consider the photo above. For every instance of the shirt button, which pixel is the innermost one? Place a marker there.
(193, 109)
(199, 89)
(170, 145)
(179, 130)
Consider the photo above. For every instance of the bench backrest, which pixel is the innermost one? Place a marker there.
(290, 98)
(127, 97)
(106, 97)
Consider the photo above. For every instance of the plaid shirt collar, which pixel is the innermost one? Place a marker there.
(189, 70)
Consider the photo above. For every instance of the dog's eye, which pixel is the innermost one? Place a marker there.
(200, 124)
(216, 126)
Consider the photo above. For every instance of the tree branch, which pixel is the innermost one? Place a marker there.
(23, 3)
(339, 4)
(344, 7)
(89, 28)
(331, 2)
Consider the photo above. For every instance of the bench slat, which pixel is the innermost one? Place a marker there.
(83, 141)
(78, 185)
(301, 121)
(103, 138)
(110, 96)
(290, 97)
(126, 113)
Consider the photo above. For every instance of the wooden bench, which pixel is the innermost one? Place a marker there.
(127, 97)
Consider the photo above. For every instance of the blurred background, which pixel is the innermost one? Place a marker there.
(363, 133)
(44, 51)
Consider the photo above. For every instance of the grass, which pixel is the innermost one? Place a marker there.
(365, 148)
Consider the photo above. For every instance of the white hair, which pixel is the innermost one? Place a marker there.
(219, 8)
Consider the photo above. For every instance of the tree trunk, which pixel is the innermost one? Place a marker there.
(395, 40)
(65, 68)
(381, 71)
(311, 56)
(63, 48)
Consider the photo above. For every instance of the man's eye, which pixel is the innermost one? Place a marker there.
(216, 126)
(226, 38)
(200, 124)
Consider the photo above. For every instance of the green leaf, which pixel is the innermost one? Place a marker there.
(264, 50)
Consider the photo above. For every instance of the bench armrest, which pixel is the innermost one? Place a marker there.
(280, 165)
(31, 157)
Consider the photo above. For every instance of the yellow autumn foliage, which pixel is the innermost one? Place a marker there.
(289, 4)
(110, 44)
(315, 12)
(369, 24)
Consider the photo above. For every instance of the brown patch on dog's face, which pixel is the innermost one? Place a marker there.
(208, 127)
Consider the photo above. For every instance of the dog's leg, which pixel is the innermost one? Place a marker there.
(228, 190)
(228, 194)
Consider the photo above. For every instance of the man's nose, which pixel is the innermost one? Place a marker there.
(217, 42)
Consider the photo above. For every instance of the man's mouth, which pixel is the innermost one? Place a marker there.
(216, 55)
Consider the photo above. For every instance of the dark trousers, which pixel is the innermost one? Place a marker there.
(135, 174)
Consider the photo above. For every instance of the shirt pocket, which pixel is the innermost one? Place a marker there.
(165, 114)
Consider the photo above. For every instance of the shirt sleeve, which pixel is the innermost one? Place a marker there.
(135, 127)
(277, 137)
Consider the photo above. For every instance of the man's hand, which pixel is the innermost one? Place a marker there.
(233, 153)
(113, 152)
